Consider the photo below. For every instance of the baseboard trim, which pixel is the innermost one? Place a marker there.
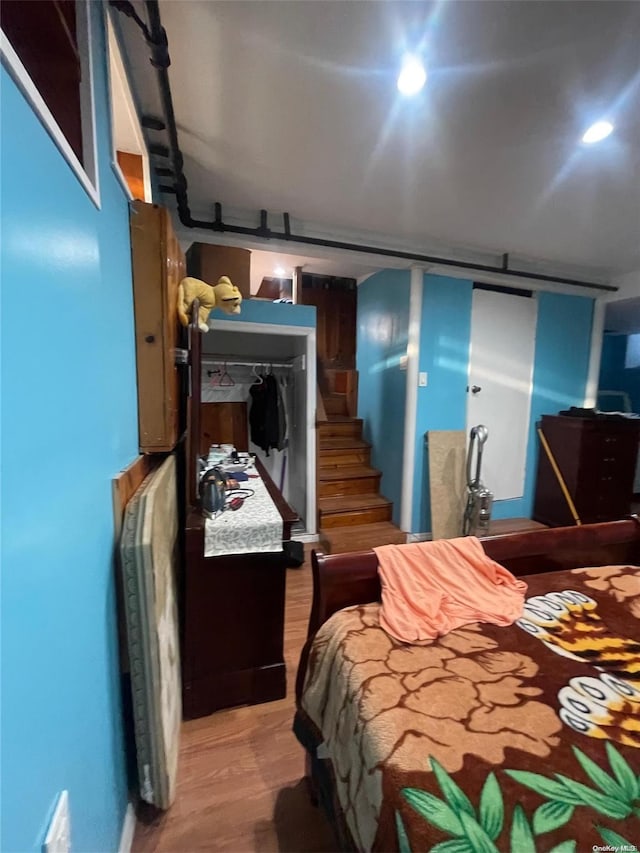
(419, 537)
(128, 830)
(305, 537)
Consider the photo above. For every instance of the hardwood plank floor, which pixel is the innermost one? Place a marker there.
(240, 777)
(499, 526)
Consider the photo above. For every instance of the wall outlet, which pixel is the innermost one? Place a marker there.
(422, 380)
(58, 838)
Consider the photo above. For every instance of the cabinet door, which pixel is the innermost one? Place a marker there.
(208, 262)
(223, 423)
(158, 267)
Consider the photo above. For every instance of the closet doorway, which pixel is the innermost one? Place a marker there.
(234, 355)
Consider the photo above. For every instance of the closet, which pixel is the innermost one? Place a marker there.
(236, 368)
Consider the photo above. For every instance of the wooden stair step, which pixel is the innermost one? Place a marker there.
(341, 442)
(348, 502)
(360, 537)
(357, 509)
(333, 455)
(347, 480)
(335, 404)
(340, 426)
(346, 472)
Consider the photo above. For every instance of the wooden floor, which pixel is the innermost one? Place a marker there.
(499, 526)
(240, 778)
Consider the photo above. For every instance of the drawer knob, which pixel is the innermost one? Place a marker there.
(150, 339)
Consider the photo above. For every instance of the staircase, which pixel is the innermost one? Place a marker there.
(353, 515)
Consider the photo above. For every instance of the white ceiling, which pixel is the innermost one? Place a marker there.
(293, 106)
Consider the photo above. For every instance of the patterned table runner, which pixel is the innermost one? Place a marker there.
(255, 527)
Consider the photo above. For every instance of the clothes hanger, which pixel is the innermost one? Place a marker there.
(226, 381)
(259, 378)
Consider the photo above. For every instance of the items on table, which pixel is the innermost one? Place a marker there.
(221, 474)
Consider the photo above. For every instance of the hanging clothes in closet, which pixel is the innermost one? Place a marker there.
(267, 418)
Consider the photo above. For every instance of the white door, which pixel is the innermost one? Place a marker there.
(503, 330)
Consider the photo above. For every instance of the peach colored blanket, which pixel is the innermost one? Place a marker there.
(431, 588)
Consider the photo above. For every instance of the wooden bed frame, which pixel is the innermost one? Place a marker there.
(342, 580)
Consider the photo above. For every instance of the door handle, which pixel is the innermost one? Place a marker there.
(475, 389)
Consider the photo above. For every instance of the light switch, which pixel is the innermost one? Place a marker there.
(422, 379)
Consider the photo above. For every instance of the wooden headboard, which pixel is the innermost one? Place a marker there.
(341, 580)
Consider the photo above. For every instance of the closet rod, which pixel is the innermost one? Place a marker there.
(222, 362)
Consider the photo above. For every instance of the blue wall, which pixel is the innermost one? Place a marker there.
(563, 340)
(563, 345)
(69, 424)
(614, 376)
(445, 332)
(382, 333)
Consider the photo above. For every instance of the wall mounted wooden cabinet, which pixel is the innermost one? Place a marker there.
(209, 262)
(158, 267)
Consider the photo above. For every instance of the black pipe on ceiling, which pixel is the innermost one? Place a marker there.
(156, 37)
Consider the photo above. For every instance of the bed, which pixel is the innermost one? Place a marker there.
(518, 738)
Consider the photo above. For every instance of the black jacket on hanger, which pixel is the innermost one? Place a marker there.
(263, 417)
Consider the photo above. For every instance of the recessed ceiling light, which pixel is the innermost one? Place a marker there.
(412, 76)
(279, 272)
(598, 131)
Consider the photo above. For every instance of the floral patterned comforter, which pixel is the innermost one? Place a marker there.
(522, 738)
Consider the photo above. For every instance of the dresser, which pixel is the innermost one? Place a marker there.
(597, 459)
(233, 619)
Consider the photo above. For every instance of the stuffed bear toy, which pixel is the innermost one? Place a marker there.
(223, 295)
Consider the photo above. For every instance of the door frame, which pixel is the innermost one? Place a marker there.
(309, 333)
(411, 397)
